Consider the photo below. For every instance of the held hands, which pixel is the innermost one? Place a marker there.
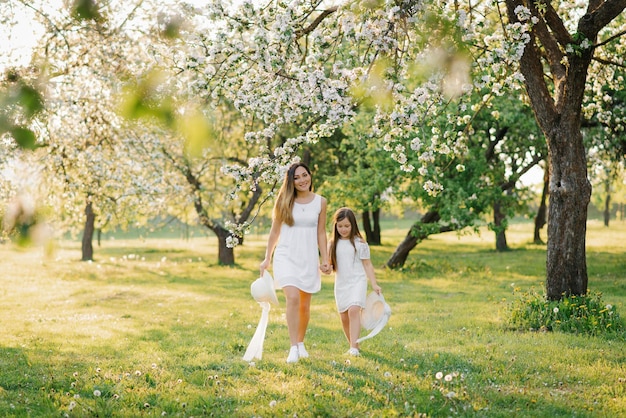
(326, 268)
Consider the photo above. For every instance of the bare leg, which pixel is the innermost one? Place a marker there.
(354, 315)
(292, 297)
(345, 323)
(304, 314)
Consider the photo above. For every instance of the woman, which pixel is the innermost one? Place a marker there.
(296, 240)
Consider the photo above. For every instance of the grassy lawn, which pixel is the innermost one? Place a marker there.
(154, 327)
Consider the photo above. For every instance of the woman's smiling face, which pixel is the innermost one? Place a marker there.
(302, 180)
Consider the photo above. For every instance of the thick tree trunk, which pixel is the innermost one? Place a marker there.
(540, 219)
(498, 218)
(607, 204)
(418, 232)
(557, 107)
(570, 192)
(90, 221)
(225, 254)
(371, 226)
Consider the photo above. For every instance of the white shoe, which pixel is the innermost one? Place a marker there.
(354, 351)
(293, 354)
(302, 351)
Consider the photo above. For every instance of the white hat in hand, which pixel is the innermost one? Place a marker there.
(262, 289)
(375, 315)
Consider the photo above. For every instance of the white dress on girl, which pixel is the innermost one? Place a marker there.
(296, 257)
(350, 277)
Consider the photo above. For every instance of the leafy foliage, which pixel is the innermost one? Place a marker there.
(587, 314)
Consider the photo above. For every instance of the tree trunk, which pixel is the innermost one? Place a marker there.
(371, 226)
(90, 220)
(418, 232)
(225, 254)
(498, 218)
(570, 193)
(540, 219)
(558, 108)
(607, 204)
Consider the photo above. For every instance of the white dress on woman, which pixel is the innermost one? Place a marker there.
(296, 257)
(350, 277)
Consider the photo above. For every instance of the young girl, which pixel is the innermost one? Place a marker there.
(350, 259)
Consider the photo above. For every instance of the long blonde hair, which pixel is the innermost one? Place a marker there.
(283, 208)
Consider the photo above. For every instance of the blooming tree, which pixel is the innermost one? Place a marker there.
(87, 151)
(311, 65)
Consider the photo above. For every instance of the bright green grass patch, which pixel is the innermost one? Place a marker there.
(156, 327)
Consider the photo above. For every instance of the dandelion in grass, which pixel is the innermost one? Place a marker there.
(154, 366)
(179, 381)
(555, 310)
(272, 404)
(71, 406)
(98, 370)
(448, 378)
(75, 374)
(116, 396)
(146, 405)
(348, 362)
(439, 375)
(137, 373)
(97, 393)
(387, 374)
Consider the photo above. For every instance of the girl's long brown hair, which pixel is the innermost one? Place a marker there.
(283, 208)
(340, 215)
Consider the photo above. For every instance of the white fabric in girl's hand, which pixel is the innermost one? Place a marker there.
(255, 348)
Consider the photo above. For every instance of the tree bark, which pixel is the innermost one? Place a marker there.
(570, 193)
(87, 244)
(540, 219)
(418, 232)
(607, 203)
(225, 254)
(371, 227)
(498, 218)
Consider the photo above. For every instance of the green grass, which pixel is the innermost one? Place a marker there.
(155, 327)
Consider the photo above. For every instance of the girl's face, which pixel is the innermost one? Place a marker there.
(301, 179)
(344, 227)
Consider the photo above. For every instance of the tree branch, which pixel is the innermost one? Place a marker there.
(599, 14)
(305, 31)
(549, 41)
